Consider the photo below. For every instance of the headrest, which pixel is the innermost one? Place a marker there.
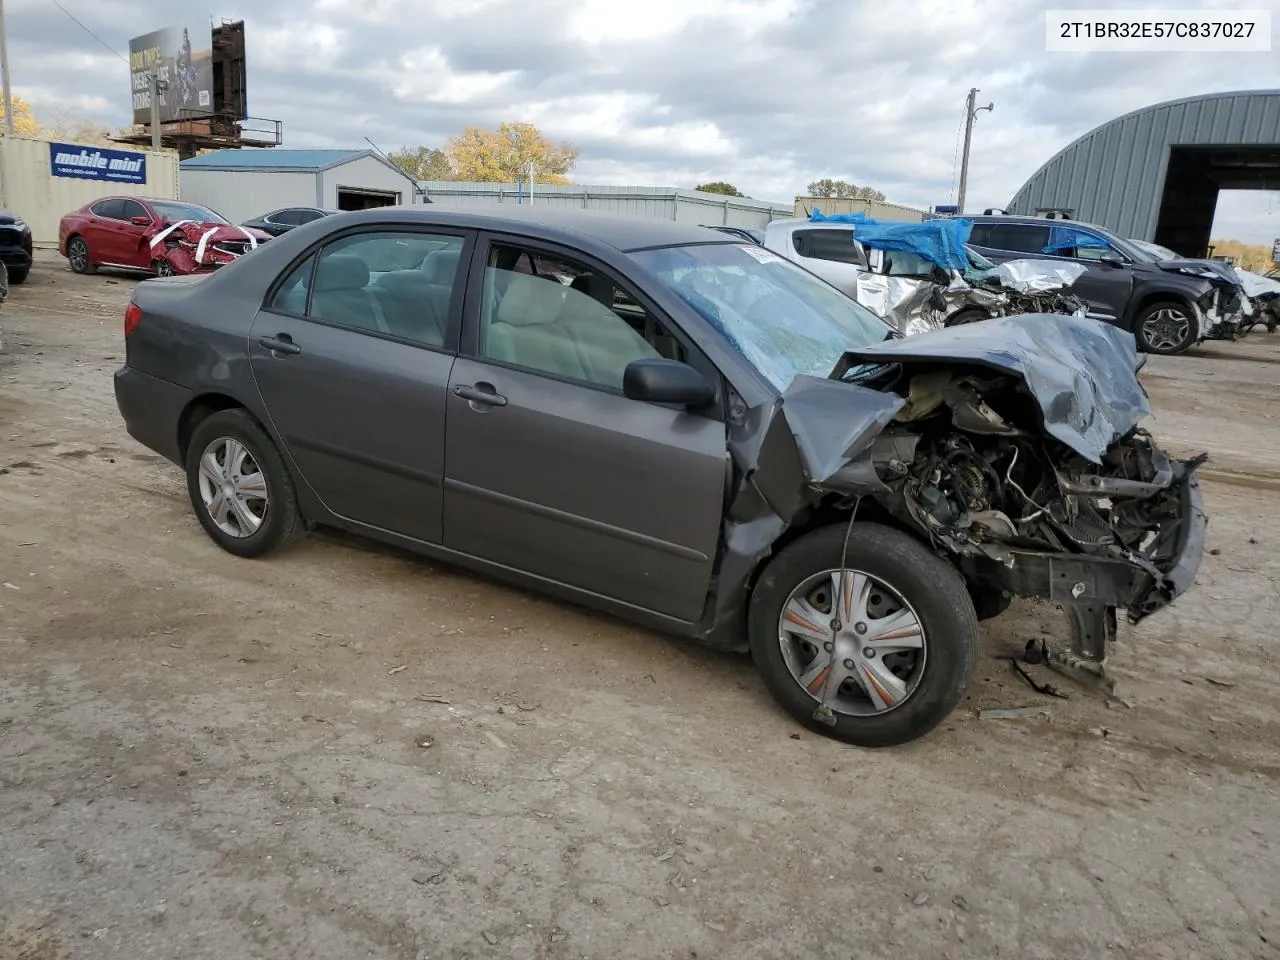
(341, 271)
(529, 301)
(406, 284)
(440, 266)
(594, 286)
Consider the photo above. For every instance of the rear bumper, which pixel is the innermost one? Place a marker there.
(152, 410)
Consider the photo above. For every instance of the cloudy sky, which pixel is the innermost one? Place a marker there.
(767, 94)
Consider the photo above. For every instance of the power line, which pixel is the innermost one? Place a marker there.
(107, 46)
(955, 159)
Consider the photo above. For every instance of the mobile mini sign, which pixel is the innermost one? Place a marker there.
(93, 163)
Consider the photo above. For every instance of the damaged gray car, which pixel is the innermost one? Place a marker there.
(692, 433)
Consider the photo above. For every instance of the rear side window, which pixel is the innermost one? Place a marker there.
(289, 218)
(394, 282)
(111, 209)
(834, 245)
(1017, 237)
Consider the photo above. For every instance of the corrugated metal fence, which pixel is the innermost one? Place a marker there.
(29, 189)
(664, 203)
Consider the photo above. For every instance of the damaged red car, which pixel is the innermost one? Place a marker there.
(162, 237)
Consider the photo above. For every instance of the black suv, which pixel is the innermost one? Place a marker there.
(1168, 305)
(15, 246)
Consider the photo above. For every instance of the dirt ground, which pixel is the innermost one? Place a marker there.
(207, 757)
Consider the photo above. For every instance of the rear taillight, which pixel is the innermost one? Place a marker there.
(132, 317)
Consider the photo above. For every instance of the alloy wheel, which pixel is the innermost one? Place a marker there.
(851, 640)
(233, 487)
(1166, 328)
(78, 255)
(165, 269)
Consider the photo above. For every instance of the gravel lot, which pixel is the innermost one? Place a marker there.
(207, 757)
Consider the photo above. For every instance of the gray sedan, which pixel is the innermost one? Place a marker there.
(662, 422)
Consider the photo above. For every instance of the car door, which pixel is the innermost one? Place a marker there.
(1107, 283)
(353, 372)
(135, 251)
(105, 232)
(549, 469)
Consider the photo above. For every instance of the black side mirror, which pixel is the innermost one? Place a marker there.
(1111, 259)
(658, 380)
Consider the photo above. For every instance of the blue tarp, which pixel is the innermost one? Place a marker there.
(938, 241)
(1069, 238)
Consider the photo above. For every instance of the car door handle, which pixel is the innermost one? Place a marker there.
(480, 393)
(280, 343)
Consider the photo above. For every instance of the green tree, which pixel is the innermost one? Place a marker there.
(422, 163)
(504, 155)
(719, 186)
(826, 187)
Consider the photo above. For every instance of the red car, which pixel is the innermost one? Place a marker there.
(164, 237)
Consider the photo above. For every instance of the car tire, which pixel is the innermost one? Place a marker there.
(19, 275)
(274, 504)
(1151, 338)
(78, 256)
(931, 592)
(163, 268)
(967, 315)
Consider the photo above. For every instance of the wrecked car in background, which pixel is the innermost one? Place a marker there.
(921, 276)
(162, 237)
(693, 433)
(1264, 297)
(1168, 305)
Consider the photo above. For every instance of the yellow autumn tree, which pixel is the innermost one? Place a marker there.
(24, 121)
(504, 155)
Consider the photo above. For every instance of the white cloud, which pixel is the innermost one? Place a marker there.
(767, 94)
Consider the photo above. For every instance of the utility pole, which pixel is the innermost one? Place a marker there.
(157, 85)
(531, 183)
(4, 77)
(970, 113)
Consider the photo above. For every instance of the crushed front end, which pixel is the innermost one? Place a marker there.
(1224, 311)
(190, 247)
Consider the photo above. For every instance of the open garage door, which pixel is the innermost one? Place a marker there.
(357, 198)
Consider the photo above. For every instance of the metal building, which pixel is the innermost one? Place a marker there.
(665, 203)
(1155, 173)
(242, 184)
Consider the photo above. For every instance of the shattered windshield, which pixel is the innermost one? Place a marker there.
(173, 211)
(782, 319)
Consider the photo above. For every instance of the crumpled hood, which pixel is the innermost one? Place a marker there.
(220, 231)
(1081, 373)
(1221, 273)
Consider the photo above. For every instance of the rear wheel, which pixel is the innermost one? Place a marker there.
(1167, 328)
(889, 644)
(78, 256)
(239, 486)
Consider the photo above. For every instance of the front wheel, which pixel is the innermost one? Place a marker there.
(967, 315)
(889, 644)
(78, 256)
(239, 486)
(1167, 328)
(18, 275)
(163, 268)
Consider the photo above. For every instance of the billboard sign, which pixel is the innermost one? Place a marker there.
(183, 58)
(93, 163)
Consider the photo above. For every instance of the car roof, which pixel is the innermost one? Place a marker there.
(623, 233)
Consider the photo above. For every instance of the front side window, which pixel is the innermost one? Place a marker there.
(555, 316)
(785, 321)
(132, 208)
(286, 218)
(397, 283)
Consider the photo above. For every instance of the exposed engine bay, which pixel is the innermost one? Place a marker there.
(970, 466)
(1013, 447)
